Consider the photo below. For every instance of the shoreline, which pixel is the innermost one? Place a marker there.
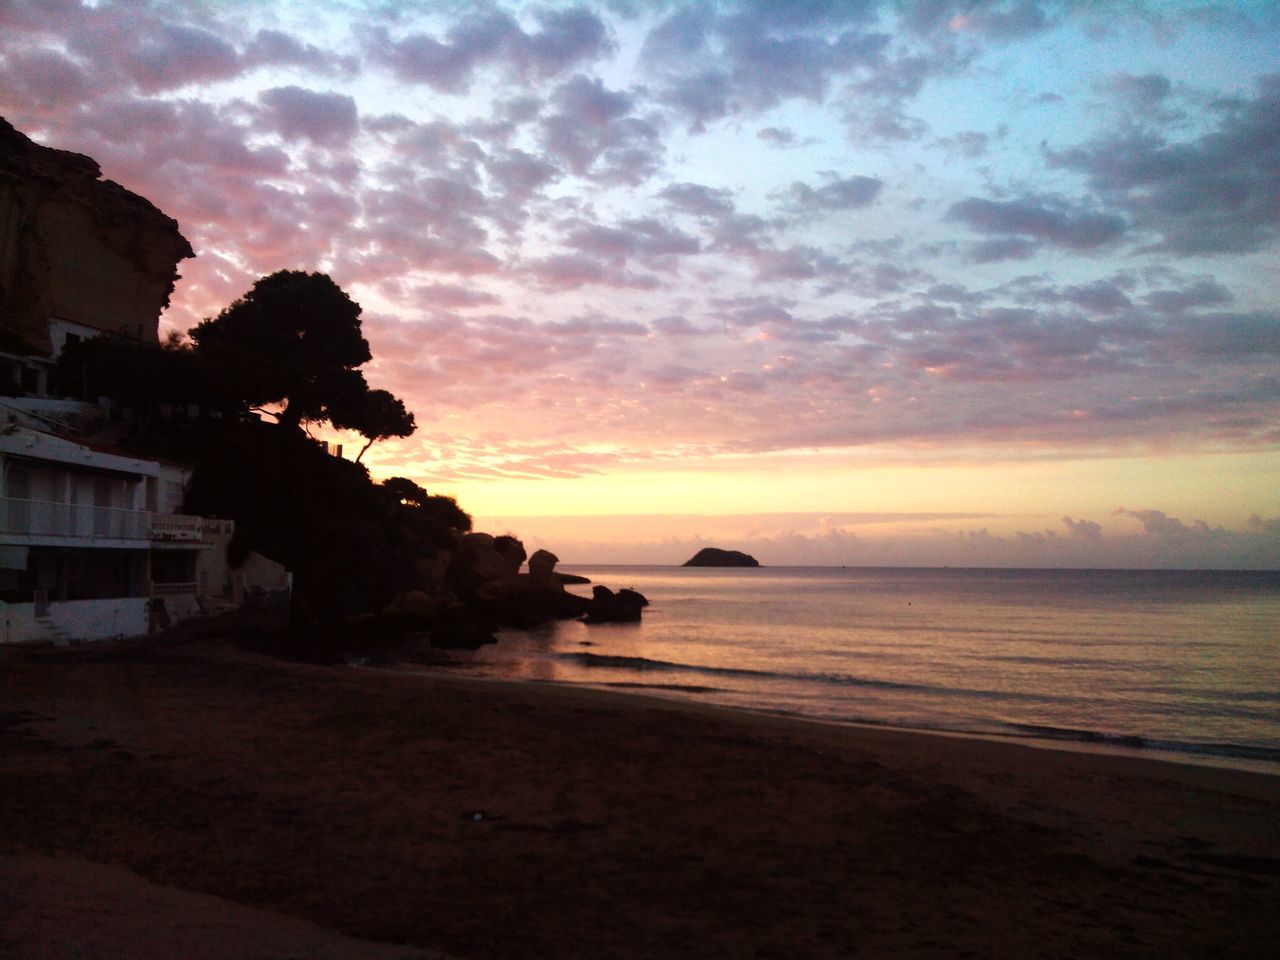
(1103, 746)
(502, 818)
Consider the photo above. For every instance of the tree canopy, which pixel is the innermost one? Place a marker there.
(375, 415)
(293, 339)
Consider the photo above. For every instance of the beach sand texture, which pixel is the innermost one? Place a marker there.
(150, 796)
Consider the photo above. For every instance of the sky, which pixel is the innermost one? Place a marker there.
(834, 282)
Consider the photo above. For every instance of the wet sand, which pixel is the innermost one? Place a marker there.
(152, 797)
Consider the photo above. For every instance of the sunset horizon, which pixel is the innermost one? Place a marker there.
(883, 283)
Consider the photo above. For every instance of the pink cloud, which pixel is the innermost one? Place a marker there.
(329, 119)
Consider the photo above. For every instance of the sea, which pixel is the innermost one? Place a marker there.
(1180, 665)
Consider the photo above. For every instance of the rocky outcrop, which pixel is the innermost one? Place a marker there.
(512, 551)
(483, 590)
(609, 607)
(76, 247)
(480, 559)
(715, 557)
(542, 570)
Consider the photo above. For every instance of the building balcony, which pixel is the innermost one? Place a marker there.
(176, 526)
(41, 521)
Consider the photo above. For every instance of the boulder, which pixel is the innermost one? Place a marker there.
(480, 559)
(524, 604)
(542, 570)
(512, 552)
(606, 606)
(430, 566)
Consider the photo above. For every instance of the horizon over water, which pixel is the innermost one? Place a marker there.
(1175, 664)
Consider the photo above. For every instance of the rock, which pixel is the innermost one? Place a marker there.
(461, 636)
(430, 566)
(77, 247)
(628, 595)
(606, 606)
(542, 567)
(416, 605)
(715, 557)
(479, 560)
(524, 604)
(512, 551)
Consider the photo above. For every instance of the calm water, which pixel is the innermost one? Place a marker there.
(1182, 662)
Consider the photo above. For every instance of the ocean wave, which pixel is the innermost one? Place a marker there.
(600, 660)
(1236, 751)
(644, 663)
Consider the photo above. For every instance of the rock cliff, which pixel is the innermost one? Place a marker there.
(76, 247)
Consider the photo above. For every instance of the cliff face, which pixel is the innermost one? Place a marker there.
(76, 247)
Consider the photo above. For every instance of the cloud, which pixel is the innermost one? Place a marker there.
(1144, 94)
(969, 144)
(519, 175)
(777, 136)
(764, 55)
(844, 306)
(565, 39)
(451, 296)
(897, 540)
(276, 48)
(1212, 194)
(1228, 335)
(44, 80)
(1083, 529)
(1204, 292)
(172, 55)
(1007, 248)
(593, 133)
(1048, 219)
(569, 271)
(1100, 296)
(849, 193)
(1158, 524)
(1015, 20)
(644, 238)
(699, 200)
(327, 119)
(675, 326)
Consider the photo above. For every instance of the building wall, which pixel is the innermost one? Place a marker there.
(262, 573)
(75, 619)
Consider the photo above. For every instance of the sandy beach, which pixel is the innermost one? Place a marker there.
(199, 801)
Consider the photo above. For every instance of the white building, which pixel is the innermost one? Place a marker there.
(92, 545)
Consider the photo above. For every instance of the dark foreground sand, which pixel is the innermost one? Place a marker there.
(193, 801)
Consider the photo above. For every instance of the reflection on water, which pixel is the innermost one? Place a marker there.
(1184, 659)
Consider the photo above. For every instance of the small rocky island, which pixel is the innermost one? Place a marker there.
(715, 557)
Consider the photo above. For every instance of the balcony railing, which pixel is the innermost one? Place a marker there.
(167, 589)
(176, 526)
(43, 518)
